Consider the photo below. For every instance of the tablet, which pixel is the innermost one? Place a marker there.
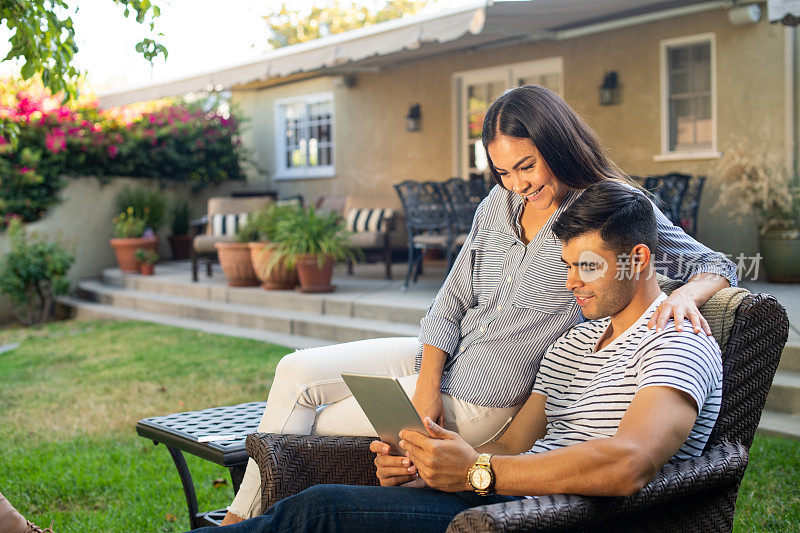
(386, 405)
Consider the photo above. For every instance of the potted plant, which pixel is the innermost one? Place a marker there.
(147, 261)
(234, 258)
(147, 203)
(130, 234)
(180, 241)
(760, 186)
(311, 242)
(262, 225)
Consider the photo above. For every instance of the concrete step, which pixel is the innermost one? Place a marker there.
(90, 310)
(784, 395)
(334, 328)
(356, 298)
(790, 358)
(780, 424)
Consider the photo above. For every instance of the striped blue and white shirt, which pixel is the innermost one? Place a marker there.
(588, 392)
(504, 303)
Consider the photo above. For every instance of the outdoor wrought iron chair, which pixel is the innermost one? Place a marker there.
(691, 204)
(428, 224)
(481, 185)
(697, 494)
(678, 197)
(669, 191)
(462, 202)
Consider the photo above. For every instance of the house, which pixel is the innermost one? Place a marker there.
(667, 84)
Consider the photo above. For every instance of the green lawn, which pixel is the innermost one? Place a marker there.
(71, 393)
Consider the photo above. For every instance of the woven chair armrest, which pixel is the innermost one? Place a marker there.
(722, 464)
(291, 463)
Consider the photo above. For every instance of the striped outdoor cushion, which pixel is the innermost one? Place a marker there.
(227, 224)
(363, 219)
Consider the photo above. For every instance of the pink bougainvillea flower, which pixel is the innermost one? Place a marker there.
(24, 170)
(55, 141)
(112, 151)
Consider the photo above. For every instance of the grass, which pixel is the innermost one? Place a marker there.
(70, 396)
(71, 393)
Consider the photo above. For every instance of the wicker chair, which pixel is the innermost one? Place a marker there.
(698, 494)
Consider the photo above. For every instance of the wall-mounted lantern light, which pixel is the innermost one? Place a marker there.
(414, 118)
(609, 90)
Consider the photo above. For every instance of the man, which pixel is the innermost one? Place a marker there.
(612, 403)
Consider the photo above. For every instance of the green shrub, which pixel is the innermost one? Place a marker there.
(180, 218)
(147, 203)
(168, 140)
(33, 273)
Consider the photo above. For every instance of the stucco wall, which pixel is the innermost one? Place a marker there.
(82, 221)
(373, 149)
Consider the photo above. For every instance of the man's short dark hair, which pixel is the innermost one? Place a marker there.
(623, 216)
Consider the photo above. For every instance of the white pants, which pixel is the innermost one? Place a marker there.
(308, 379)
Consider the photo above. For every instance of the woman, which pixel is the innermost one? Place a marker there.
(502, 304)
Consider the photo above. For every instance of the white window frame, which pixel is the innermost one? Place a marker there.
(685, 155)
(508, 73)
(282, 172)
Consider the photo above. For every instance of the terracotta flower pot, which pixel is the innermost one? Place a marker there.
(181, 246)
(313, 278)
(234, 257)
(279, 277)
(147, 269)
(125, 250)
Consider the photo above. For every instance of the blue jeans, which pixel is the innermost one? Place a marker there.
(370, 509)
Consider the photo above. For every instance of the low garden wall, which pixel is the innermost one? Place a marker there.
(82, 221)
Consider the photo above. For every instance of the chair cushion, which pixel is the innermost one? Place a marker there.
(227, 224)
(367, 239)
(431, 239)
(204, 243)
(361, 219)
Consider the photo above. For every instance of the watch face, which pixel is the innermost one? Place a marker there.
(481, 479)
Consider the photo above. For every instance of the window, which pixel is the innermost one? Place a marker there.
(475, 90)
(304, 137)
(688, 98)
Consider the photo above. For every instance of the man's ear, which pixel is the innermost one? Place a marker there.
(640, 258)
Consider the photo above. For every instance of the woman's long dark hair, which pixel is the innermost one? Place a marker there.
(568, 145)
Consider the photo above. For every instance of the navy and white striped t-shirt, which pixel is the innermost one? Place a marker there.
(504, 303)
(588, 392)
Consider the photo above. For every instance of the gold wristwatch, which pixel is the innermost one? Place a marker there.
(481, 475)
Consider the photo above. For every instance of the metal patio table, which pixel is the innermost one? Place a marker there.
(217, 435)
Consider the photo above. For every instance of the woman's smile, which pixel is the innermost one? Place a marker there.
(522, 169)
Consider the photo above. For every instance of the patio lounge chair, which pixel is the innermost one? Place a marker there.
(697, 494)
(206, 233)
(372, 223)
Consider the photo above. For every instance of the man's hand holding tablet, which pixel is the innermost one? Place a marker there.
(386, 405)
